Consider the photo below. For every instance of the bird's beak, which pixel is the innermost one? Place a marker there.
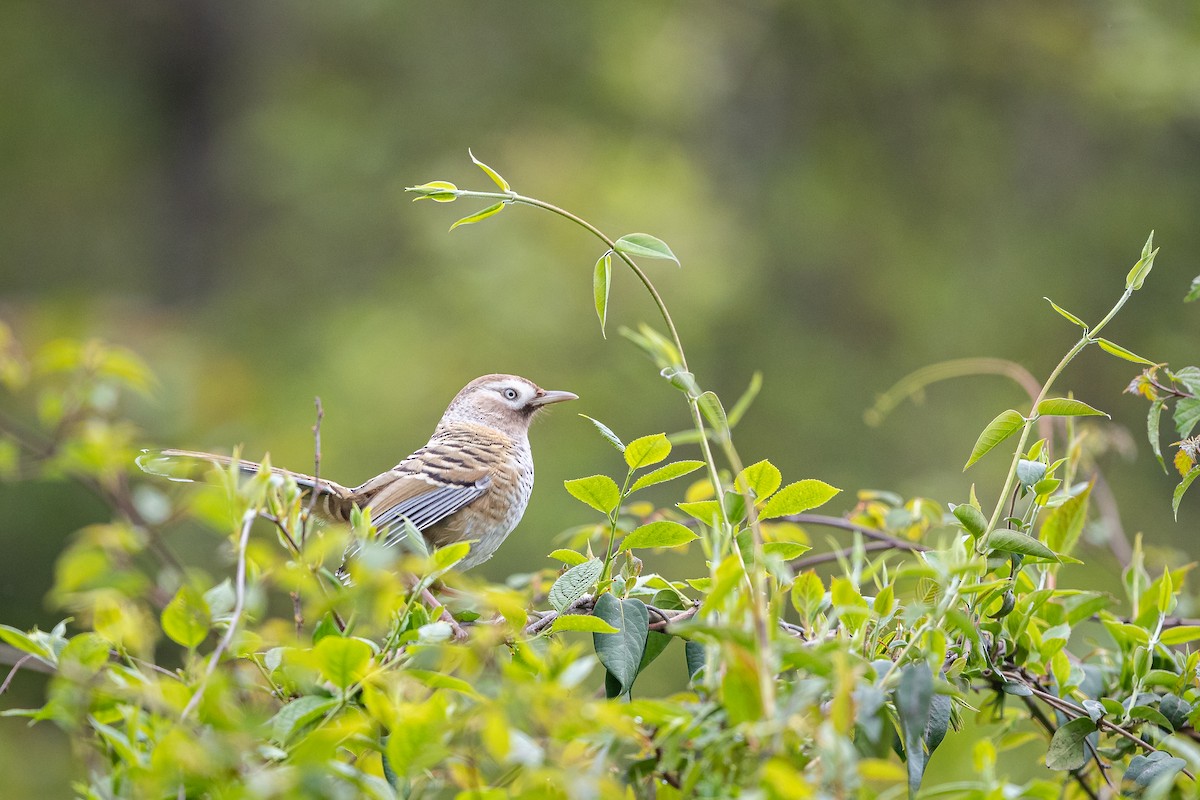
(545, 398)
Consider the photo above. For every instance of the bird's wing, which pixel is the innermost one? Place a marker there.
(422, 490)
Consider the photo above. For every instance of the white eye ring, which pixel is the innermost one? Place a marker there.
(510, 394)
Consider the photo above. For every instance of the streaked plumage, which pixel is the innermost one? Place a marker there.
(470, 482)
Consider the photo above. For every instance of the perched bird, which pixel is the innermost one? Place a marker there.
(470, 482)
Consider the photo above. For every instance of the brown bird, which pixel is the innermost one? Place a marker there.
(470, 482)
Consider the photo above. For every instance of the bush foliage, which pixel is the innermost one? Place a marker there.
(802, 674)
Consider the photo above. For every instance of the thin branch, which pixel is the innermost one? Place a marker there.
(847, 525)
(238, 606)
(12, 673)
(1067, 707)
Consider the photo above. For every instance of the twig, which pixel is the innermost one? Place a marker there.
(238, 605)
(316, 490)
(1067, 707)
(12, 673)
(847, 525)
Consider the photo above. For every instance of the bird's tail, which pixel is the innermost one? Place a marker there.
(191, 465)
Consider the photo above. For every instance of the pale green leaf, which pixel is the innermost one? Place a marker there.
(607, 433)
(438, 191)
(1177, 496)
(761, 479)
(661, 533)
(647, 450)
(796, 498)
(667, 472)
(1153, 422)
(645, 245)
(1066, 314)
(786, 550)
(1004, 425)
(342, 661)
(1181, 634)
(298, 713)
(1137, 275)
(470, 219)
(491, 173)
(1194, 292)
(187, 619)
(1067, 407)
(601, 280)
(1120, 352)
(568, 557)
(1064, 524)
(598, 491)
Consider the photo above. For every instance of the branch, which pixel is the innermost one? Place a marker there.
(238, 606)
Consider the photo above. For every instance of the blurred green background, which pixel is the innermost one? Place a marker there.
(855, 191)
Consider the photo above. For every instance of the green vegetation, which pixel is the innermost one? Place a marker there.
(271, 679)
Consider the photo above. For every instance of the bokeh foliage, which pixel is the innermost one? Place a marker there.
(857, 193)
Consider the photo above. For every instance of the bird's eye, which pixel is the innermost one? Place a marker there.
(510, 394)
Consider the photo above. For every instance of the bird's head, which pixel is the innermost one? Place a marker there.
(504, 402)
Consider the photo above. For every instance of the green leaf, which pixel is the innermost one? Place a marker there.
(470, 219)
(1153, 419)
(1066, 407)
(341, 661)
(598, 491)
(1064, 524)
(1187, 414)
(661, 533)
(808, 595)
(1016, 542)
(761, 479)
(693, 654)
(574, 584)
(1029, 472)
(647, 450)
(706, 511)
(446, 557)
(643, 244)
(438, 191)
(1181, 634)
(1004, 425)
(786, 550)
(1068, 745)
(1151, 714)
(601, 280)
(298, 713)
(1177, 496)
(972, 519)
(1194, 292)
(710, 406)
(621, 653)
(1120, 352)
(581, 622)
(1066, 314)
(796, 498)
(607, 433)
(940, 707)
(1137, 275)
(568, 557)
(26, 644)
(1146, 770)
(491, 173)
(186, 619)
(912, 699)
(667, 472)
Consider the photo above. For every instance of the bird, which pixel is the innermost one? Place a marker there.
(470, 482)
